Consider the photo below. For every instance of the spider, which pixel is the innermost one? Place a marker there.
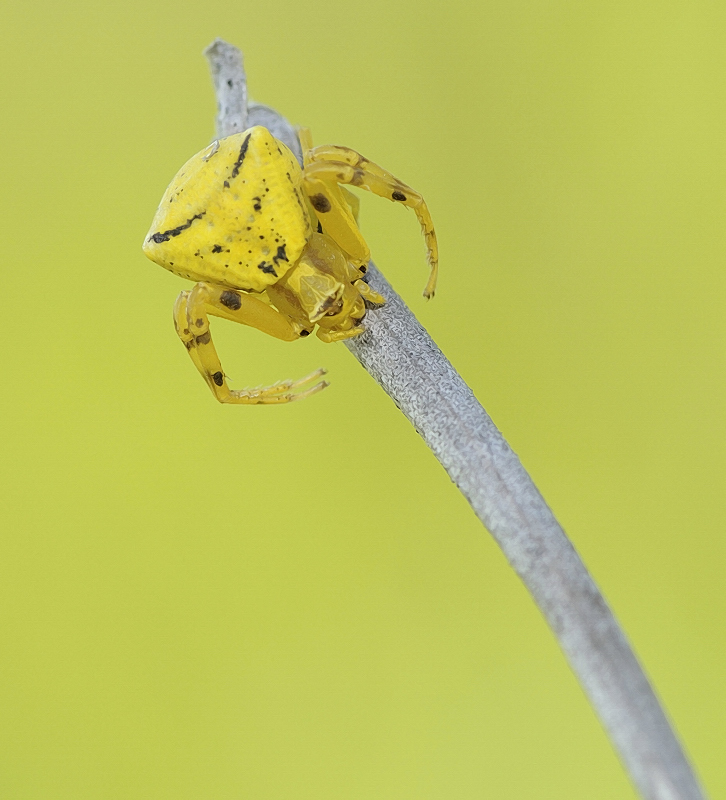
(272, 246)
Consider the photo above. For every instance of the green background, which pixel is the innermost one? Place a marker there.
(199, 601)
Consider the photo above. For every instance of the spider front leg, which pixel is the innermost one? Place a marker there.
(330, 165)
(338, 336)
(369, 294)
(191, 320)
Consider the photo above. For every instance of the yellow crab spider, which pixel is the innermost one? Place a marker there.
(272, 246)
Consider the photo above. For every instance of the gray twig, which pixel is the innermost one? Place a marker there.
(405, 361)
(230, 87)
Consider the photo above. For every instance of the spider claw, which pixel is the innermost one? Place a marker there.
(280, 392)
(314, 390)
(311, 377)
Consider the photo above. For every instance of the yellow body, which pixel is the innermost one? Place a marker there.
(272, 246)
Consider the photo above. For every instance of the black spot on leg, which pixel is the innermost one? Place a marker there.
(203, 338)
(398, 196)
(320, 227)
(304, 333)
(199, 322)
(164, 236)
(258, 204)
(218, 378)
(217, 248)
(320, 203)
(231, 300)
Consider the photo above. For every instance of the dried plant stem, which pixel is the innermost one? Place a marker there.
(401, 356)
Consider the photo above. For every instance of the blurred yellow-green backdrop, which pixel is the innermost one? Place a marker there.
(201, 601)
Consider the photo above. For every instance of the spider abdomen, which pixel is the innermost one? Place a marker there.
(235, 214)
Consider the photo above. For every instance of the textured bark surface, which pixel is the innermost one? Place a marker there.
(401, 356)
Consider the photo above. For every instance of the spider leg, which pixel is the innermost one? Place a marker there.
(335, 215)
(191, 320)
(369, 294)
(338, 336)
(306, 143)
(335, 152)
(329, 166)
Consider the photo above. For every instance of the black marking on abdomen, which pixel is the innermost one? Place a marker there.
(281, 255)
(164, 236)
(241, 156)
(268, 269)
